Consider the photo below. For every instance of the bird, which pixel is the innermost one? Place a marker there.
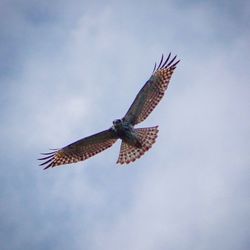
(134, 141)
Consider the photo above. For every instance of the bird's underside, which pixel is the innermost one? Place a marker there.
(135, 141)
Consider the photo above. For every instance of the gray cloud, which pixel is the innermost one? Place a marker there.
(69, 69)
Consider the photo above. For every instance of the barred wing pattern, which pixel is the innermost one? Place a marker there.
(80, 150)
(152, 92)
(145, 102)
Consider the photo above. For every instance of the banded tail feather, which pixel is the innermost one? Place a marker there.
(146, 136)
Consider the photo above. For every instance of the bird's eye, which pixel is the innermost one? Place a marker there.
(118, 121)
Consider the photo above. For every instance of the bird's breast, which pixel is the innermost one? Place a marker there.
(129, 136)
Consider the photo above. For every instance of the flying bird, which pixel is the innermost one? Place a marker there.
(135, 141)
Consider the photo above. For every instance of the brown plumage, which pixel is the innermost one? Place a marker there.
(146, 136)
(80, 150)
(135, 141)
(152, 92)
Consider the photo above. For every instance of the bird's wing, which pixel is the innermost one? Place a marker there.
(152, 92)
(80, 150)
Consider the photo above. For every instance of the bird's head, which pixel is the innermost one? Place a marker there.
(117, 123)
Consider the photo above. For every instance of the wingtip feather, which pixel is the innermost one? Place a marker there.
(160, 62)
(167, 63)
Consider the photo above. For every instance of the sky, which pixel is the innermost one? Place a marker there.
(68, 69)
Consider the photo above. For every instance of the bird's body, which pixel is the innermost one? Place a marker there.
(135, 141)
(126, 132)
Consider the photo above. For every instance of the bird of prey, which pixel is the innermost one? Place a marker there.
(135, 141)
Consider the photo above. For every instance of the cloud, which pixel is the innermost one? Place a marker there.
(68, 70)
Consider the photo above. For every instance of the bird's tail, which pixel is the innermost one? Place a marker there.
(146, 136)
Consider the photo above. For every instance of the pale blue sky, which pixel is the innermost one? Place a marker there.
(68, 69)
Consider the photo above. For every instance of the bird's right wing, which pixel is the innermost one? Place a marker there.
(80, 150)
(152, 92)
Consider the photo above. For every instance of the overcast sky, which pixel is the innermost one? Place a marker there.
(68, 69)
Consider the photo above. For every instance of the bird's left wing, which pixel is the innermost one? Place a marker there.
(152, 92)
(80, 150)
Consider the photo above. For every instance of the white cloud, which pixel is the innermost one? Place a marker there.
(81, 71)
